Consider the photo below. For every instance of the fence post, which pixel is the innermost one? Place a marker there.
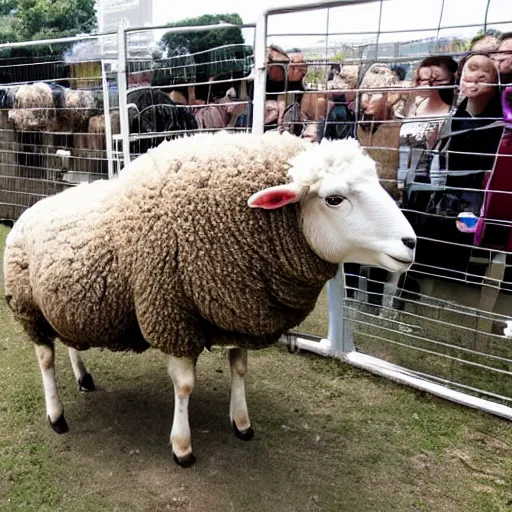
(108, 124)
(340, 334)
(260, 79)
(122, 84)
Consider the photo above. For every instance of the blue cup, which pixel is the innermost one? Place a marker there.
(466, 222)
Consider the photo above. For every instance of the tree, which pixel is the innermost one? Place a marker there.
(43, 19)
(458, 45)
(200, 41)
(23, 20)
(7, 6)
(179, 66)
(482, 33)
(9, 25)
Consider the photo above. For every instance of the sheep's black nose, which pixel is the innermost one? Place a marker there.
(409, 242)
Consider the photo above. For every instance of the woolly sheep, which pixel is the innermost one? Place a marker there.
(223, 239)
(80, 107)
(33, 107)
(40, 106)
(96, 129)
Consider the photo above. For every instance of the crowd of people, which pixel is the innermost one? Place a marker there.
(462, 153)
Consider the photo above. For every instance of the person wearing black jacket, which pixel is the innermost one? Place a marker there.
(467, 150)
(468, 154)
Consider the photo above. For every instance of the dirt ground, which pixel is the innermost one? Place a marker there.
(328, 438)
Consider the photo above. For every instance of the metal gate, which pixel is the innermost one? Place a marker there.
(181, 92)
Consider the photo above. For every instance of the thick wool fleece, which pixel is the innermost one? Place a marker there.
(168, 255)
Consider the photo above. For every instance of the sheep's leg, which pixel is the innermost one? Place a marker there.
(54, 410)
(82, 376)
(238, 413)
(182, 372)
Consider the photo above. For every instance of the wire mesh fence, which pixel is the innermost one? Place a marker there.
(178, 91)
(52, 121)
(394, 74)
(429, 100)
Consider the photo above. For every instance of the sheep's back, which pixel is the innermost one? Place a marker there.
(60, 260)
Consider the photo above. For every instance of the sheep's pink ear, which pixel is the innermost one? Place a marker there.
(276, 197)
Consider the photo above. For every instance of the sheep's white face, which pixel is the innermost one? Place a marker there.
(347, 217)
(357, 222)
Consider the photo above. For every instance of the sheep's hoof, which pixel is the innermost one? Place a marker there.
(244, 435)
(184, 462)
(86, 383)
(60, 426)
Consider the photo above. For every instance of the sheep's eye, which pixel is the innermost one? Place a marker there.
(334, 200)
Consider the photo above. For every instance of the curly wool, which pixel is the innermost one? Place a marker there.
(169, 255)
(79, 107)
(33, 107)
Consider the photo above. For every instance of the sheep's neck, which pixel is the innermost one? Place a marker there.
(295, 259)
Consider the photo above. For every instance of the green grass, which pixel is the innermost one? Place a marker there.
(328, 438)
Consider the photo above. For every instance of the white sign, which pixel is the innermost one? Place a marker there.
(135, 12)
(128, 13)
(119, 5)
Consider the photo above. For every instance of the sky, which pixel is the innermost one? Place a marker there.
(397, 15)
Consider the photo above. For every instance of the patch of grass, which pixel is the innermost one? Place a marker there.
(4, 230)
(328, 438)
(28, 479)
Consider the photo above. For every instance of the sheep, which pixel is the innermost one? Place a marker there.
(209, 240)
(80, 106)
(33, 107)
(96, 129)
(94, 137)
(41, 106)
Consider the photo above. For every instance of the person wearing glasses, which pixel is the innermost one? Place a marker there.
(424, 116)
(469, 150)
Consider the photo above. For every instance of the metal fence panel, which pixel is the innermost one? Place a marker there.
(179, 92)
(58, 100)
(440, 326)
